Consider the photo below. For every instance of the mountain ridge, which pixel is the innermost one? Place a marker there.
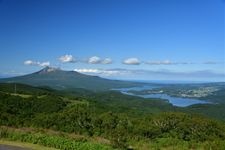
(64, 80)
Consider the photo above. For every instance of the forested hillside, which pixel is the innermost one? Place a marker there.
(107, 120)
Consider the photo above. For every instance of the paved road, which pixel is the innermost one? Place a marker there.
(8, 147)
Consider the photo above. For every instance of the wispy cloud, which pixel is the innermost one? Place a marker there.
(103, 72)
(107, 61)
(94, 60)
(29, 62)
(67, 59)
(167, 62)
(98, 60)
(44, 64)
(131, 61)
(212, 62)
(11, 73)
(151, 74)
(36, 63)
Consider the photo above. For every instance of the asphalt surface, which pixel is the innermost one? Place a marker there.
(8, 147)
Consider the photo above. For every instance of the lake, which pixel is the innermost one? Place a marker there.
(176, 101)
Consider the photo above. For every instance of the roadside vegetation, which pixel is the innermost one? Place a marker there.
(24, 145)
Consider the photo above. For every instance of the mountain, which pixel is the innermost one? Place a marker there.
(68, 80)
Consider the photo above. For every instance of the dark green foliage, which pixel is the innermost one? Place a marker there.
(122, 119)
(209, 110)
(77, 119)
(16, 110)
(183, 126)
(23, 89)
(118, 102)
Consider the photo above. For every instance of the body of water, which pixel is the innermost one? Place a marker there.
(176, 101)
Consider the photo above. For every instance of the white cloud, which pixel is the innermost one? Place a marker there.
(87, 70)
(101, 72)
(36, 63)
(98, 60)
(107, 61)
(44, 64)
(29, 62)
(154, 74)
(166, 62)
(131, 61)
(94, 60)
(67, 59)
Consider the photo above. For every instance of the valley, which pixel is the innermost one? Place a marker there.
(109, 119)
(112, 75)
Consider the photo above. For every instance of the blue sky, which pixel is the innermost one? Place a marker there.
(139, 39)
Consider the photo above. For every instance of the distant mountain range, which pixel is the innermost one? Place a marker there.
(68, 80)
